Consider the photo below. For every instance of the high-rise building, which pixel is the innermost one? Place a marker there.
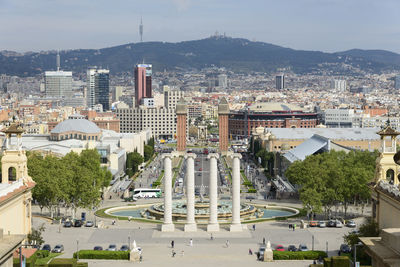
(339, 85)
(172, 96)
(98, 88)
(397, 82)
(280, 82)
(118, 92)
(223, 81)
(58, 83)
(143, 74)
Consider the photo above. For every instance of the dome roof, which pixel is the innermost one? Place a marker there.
(76, 125)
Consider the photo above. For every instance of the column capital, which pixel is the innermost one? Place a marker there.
(167, 155)
(190, 155)
(236, 155)
(213, 155)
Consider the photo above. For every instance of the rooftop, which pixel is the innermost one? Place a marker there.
(76, 125)
(273, 106)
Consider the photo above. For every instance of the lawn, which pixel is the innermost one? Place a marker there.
(44, 261)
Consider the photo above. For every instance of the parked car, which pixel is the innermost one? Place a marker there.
(58, 249)
(303, 247)
(261, 252)
(292, 248)
(321, 224)
(124, 248)
(46, 247)
(98, 248)
(338, 224)
(68, 224)
(351, 224)
(89, 224)
(250, 197)
(112, 247)
(331, 223)
(313, 224)
(279, 248)
(78, 223)
(344, 248)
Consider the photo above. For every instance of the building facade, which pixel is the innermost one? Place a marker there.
(172, 96)
(338, 118)
(58, 84)
(280, 82)
(98, 88)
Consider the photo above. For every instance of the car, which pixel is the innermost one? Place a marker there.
(200, 169)
(89, 224)
(279, 248)
(261, 252)
(331, 223)
(199, 174)
(321, 224)
(338, 224)
(58, 249)
(351, 224)
(303, 247)
(344, 248)
(124, 248)
(78, 223)
(68, 224)
(292, 248)
(98, 248)
(112, 247)
(313, 224)
(250, 197)
(46, 247)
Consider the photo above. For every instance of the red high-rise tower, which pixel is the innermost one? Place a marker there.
(143, 73)
(223, 113)
(181, 114)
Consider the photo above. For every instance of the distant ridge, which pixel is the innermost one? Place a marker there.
(235, 54)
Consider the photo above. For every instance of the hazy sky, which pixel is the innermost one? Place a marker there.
(327, 25)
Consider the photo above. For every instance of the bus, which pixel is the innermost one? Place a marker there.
(146, 193)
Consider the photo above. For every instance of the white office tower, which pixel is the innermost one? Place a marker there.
(339, 85)
(172, 96)
(91, 88)
(223, 81)
(58, 84)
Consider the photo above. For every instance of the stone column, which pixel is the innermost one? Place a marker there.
(213, 225)
(236, 225)
(167, 226)
(190, 225)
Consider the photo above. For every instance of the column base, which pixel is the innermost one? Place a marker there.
(213, 227)
(170, 227)
(236, 228)
(192, 227)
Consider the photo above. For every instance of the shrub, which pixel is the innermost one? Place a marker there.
(340, 261)
(247, 183)
(82, 264)
(103, 254)
(60, 262)
(298, 255)
(30, 262)
(252, 190)
(42, 254)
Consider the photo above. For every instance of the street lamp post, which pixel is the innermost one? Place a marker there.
(312, 242)
(129, 242)
(355, 252)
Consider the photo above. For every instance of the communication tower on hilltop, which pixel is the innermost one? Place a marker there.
(141, 30)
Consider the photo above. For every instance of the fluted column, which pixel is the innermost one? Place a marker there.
(190, 225)
(236, 225)
(213, 193)
(168, 225)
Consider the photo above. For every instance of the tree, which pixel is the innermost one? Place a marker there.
(35, 236)
(133, 161)
(148, 152)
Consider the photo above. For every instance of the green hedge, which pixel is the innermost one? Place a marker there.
(61, 262)
(103, 254)
(251, 190)
(298, 255)
(82, 264)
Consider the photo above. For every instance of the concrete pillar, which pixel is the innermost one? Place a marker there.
(190, 225)
(213, 225)
(236, 225)
(168, 225)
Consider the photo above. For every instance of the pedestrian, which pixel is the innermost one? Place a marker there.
(191, 242)
(227, 243)
(263, 240)
(212, 237)
(182, 252)
(294, 227)
(290, 226)
(140, 258)
(254, 227)
(173, 253)
(250, 251)
(172, 244)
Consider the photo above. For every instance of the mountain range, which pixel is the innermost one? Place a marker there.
(235, 54)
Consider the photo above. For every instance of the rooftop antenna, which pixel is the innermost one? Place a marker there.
(58, 60)
(141, 29)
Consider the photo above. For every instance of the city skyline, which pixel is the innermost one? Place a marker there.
(64, 25)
